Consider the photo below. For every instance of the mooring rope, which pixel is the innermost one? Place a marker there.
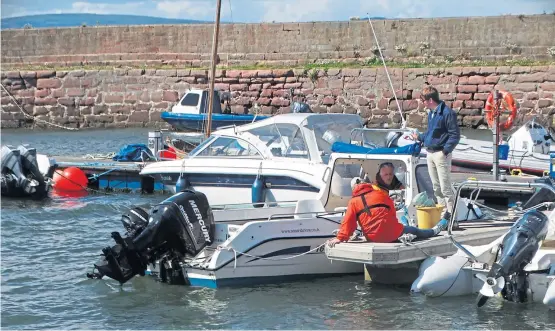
(27, 115)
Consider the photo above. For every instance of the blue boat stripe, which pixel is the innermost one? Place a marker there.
(285, 251)
(237, 281)
(242, 181)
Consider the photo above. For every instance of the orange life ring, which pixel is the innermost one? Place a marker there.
(505, 104)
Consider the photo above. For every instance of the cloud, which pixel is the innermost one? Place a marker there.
(281, 10)
(128, 8)
(199, 10)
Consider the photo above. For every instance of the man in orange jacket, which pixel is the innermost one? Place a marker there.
(374, 210)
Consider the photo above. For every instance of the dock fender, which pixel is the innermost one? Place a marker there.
(258, 189)
(428, 262)
(549, 298)
(182, 184)
(445, 277)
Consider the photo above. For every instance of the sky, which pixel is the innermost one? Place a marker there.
(253, 11)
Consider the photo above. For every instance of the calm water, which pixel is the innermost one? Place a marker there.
(47, 247)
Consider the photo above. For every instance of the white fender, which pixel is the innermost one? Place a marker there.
(423, 266)
(549, 298)
(445, 277)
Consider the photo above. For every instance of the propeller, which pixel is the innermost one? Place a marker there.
(491, 287)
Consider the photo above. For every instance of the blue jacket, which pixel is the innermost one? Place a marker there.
(443, 132)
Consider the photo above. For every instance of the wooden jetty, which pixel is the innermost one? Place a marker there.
(107, 175)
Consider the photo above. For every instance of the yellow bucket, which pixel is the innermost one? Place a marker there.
(428, 217)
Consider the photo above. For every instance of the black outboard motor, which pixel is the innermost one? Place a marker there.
(180, 226)
(135, 221)
(20, 174)
(517, 250)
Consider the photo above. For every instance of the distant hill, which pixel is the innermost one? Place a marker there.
(69, 20)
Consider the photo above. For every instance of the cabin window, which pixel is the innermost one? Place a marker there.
(328, 130)
(191, 99)
(283, 140)
(227, 146)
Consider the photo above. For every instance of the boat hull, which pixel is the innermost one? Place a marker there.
(197, 122)
(283, 264)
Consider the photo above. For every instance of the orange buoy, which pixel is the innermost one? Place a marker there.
(71, 179)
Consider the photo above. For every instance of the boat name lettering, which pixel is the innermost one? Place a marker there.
(166, 178)
(300, 230)
(187, 219)
(200, 220)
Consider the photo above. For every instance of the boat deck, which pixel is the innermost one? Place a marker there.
(397, 253)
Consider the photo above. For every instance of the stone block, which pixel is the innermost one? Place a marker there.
(75, 92)
(113, 98)
(48, 83)
(171, 96)
(467, 88)
(328, 101)
(46, 74)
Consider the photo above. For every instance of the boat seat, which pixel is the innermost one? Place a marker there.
(310, 206)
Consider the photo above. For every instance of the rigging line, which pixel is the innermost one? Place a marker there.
(403, 121)
(25, 114)
(230, 10)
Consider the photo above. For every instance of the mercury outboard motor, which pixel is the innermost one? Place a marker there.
(517, 250)
(180, 226)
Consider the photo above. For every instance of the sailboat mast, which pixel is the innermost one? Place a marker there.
(213, 67)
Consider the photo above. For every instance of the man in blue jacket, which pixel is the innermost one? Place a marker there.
(441, 137)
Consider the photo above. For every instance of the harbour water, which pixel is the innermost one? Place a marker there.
(47, 247)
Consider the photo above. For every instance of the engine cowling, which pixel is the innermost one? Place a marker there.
(178, 227)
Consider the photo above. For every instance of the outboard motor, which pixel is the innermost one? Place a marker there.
(398, 139)
(517, 250)
(180, 226)
(20, 176)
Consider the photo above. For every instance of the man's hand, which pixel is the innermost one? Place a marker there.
(414, 136)
(332, 242)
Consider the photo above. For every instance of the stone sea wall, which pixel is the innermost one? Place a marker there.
(495, 38)
(136, 97)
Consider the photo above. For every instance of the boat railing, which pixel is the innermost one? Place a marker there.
(264, 204)
(479, 184)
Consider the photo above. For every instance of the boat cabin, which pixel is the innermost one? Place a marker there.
(303, 136)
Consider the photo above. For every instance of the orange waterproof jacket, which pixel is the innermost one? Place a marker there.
(375, 212)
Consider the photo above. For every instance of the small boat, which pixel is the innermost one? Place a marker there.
(519, 266)
(528, 150)
(190, 113)
(185, 240)
(286, 155)
(25, 173)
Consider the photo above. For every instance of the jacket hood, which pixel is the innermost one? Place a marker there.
(362, 188)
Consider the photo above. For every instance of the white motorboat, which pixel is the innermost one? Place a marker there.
(529, 150)
(191, 243)
(288, 154)
(519, 266)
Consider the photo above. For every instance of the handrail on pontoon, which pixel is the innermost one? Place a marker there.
(478, 183)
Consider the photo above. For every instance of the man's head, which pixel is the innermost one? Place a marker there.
(357, 180)
(430, 97)
(387, 172)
